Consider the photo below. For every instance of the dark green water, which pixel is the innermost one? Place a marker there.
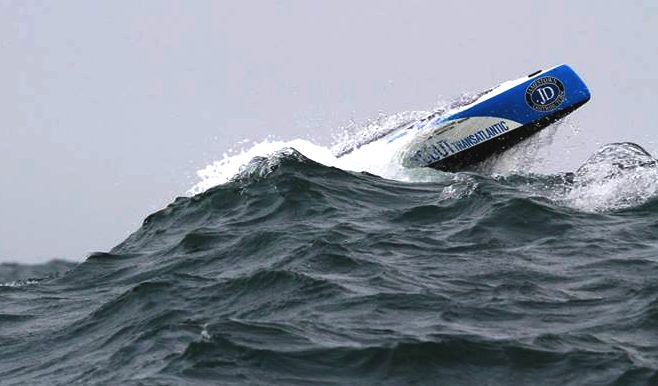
(300, 274)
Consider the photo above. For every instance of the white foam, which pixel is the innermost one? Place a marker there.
(379, 157)
(616, 177)
(593, 191)
(19, 283)
(614, 194)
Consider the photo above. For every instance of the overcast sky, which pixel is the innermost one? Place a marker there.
(108, 108)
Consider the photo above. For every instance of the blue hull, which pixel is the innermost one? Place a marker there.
(496, 121)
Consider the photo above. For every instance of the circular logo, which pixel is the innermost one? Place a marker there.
(545, 94)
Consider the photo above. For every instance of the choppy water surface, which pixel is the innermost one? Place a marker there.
(293, 272)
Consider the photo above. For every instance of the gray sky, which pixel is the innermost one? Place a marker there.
(108, 108)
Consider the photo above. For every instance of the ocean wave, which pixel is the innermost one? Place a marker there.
(295, 271)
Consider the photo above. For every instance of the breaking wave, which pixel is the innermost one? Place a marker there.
(287, 265)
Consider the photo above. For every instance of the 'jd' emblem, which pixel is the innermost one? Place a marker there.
(545, 94)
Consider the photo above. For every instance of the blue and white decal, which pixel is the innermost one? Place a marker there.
(545, 94)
